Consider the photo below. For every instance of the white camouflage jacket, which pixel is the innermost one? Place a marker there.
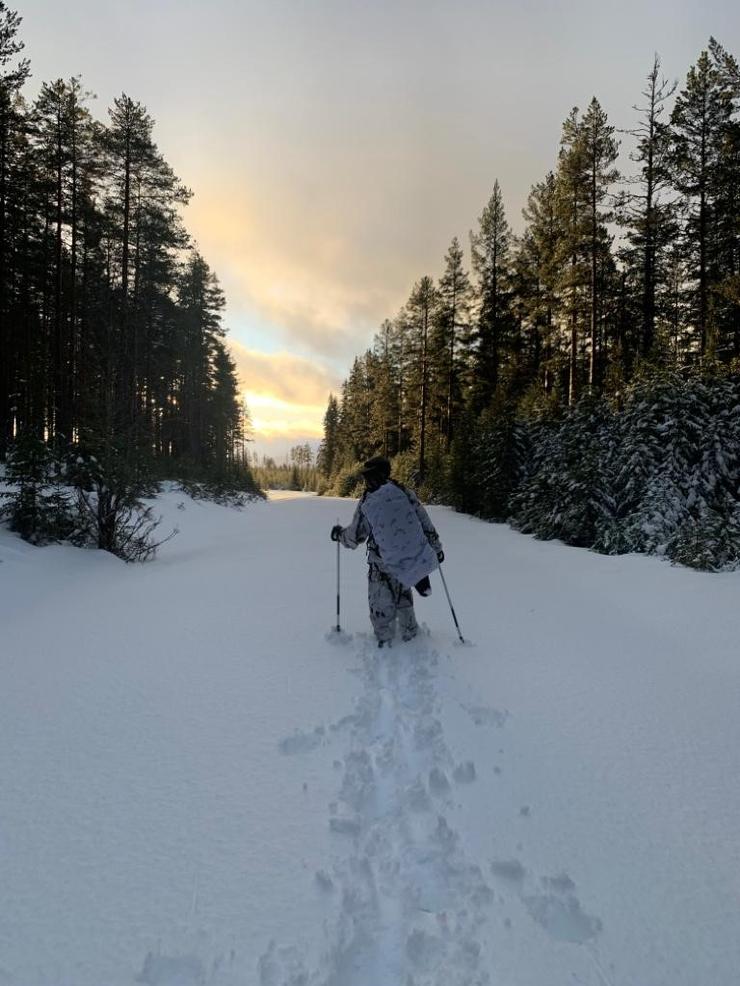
(402, 540)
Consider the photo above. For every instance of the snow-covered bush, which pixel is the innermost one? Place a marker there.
(37, 506)
(111, 514)
(678, 466)
(501, 456)
(229, 491)
(568, 490)
(659, 476)
(347, 481)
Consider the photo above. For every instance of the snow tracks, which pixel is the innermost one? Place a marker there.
(407, 905)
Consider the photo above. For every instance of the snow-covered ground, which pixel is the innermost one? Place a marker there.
(196, 787)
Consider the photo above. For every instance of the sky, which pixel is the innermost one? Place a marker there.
(335, 147)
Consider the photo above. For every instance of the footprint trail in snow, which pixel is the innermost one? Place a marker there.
(409, 905)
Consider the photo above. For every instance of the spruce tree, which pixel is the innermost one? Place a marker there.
(572, 189)
(450, 341)
(539, 258)
(491, 253)
(726, 290)
(600, 152)
(328, 449)
(700, 119)
(384, 410)
(420, 312)
(647, 209)
(13, 74)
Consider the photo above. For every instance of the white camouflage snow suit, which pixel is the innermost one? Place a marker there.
(402, 547)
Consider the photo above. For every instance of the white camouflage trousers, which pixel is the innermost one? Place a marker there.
(390, 600)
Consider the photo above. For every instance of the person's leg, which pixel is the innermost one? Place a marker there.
(382, 600)
(406, 616)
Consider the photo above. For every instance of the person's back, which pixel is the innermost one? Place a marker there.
(403, 548)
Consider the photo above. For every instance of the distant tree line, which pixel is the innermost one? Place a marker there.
(111, 341)
(618, 303)
(298, 470)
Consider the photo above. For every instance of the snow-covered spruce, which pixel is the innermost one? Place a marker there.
(658, 475)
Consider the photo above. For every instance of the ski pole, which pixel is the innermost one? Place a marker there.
(339, 630)
(452, 608)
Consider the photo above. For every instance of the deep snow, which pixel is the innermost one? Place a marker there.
(197, 787)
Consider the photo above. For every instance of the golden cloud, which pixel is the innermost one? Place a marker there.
(286, 394)
(289, 379)
(294, 264)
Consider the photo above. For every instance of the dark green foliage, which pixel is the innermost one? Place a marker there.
(111, 514)
(327, 454)
(111, 339)
(464, 493)
(38, 506)
(582, 390)
(501, 455)
(659, 477)
(568, 494)
(235, 486)
(349, 481)
(710, 543)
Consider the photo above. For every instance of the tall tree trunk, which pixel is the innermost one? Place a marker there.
(58, 426)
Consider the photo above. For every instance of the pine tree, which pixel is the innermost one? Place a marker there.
(647, 211)
(539, 255)
(354, 416)
(600, 150)
(420, 312)
(224, 416)
(726, 290)
(328, 449)
(13, 74)
(450, 342)
(141, 196)
(384, 410)
(491, 248)
(201, 302)
(62, 142)
(572, 189)
(701, 116)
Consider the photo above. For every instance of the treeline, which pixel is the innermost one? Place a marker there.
(621, 288)
(298, 471)
(111, 340)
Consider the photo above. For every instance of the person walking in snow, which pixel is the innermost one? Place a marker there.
(403, 548)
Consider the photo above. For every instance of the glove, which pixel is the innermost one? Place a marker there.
(336, 532)
(440, 556)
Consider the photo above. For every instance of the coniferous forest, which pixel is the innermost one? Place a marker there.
(114, 373)
(581, 379)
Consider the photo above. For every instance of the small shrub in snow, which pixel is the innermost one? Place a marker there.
(347, 482)
(37, 506)
(226, 493)
(111, 514)
(710, 543)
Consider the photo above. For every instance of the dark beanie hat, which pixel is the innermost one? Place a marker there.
(377, 467)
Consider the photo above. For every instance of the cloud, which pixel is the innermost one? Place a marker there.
(319, 273)
(283, 377)
(286, 394)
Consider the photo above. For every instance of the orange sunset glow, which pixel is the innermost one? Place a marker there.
(334, 149)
